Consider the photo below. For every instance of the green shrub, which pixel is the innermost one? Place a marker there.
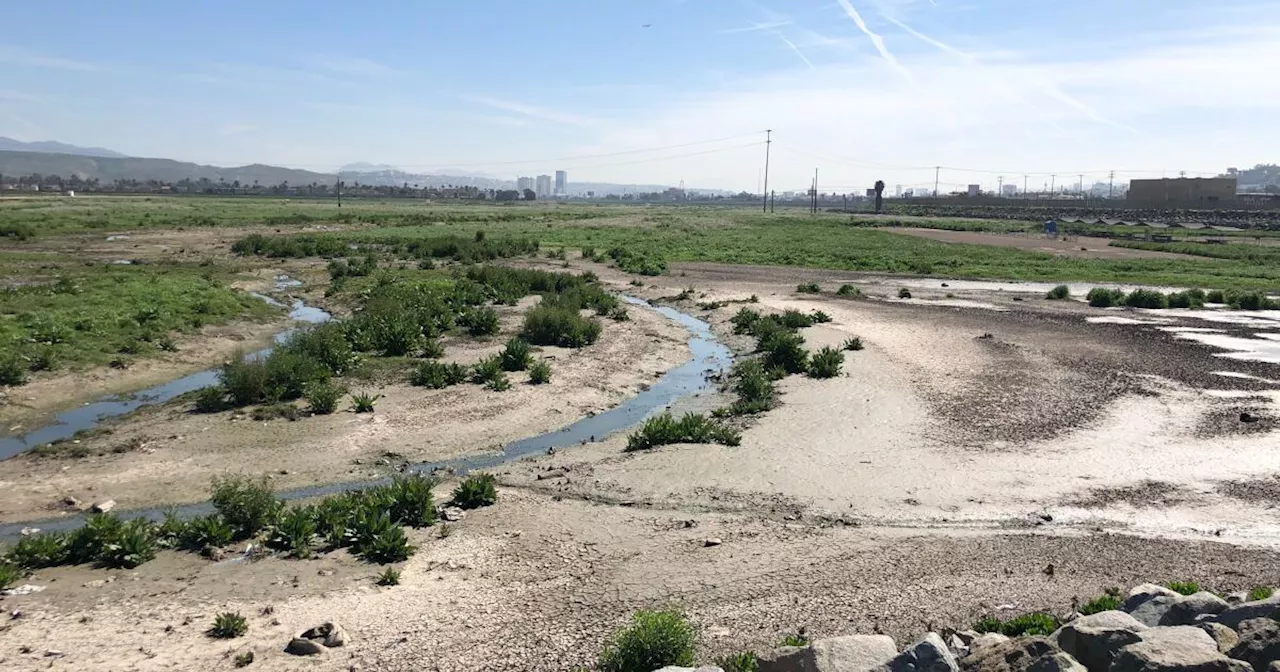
(211, 530)
(1252, 300)
(228, 625)
(276, 411)
(325, 343)
(9, 575)
(588, 252)
(644, 262)
(809, 288)
(1146, 298)
(247, 505)
(212, 399)
(134, 544)
(739, 662)
(90, 541)
(44, 359)
(295, 532)
(171, 530)
(480, 322)
(37, 551)
(437, 375)
(655, 639)
(362, 402)
(476, 491)
(819, 317)
(1109, 602)
(848, 290)
(389, 577)
(323, 397)
(551, 325)
(282, 376)
(488, 372)
(794, 639)
(904, 293)
(243, 659)
(387, 546)
(516, 356)
(784, 350)
(1260, 593)
(540, 372)
(753, 386)
(852, 344)
(1187, 299)
(826, 363)
(1058, 293)
(1101, 297)
(744, 320)
(431, 349)
(1032, 624)
(412, 501)
(665, 429)
(1183, 587)
(12, 370)
(794, 319)
(619, 314)
(1215, 296)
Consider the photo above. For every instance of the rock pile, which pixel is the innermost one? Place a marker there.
(1155, 630)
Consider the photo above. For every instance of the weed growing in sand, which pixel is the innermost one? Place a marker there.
(363, 402)
(389, 577)
(740, 662)
(665, 429)
(278, 411)
(644, 262)
(826, 363)
(1260, 593)
(326, 343)
(412, 501)
(385, 547)
(539, 372)
(1183, 587)
(1101, 297)
(794, 639)
(9, 575)
(36, 551)
(170, 530)
(133, 544)
(1146, 298)
(744, 320)
(283, 376)
(794, 319)
(295, 532)
(554, 325)
(783, 350)
(229, 625)
(243, 659)
(488, 372)
(247, 505)
(819, 317)
(619, 314)
(437, 375)
(480, 322)
(476, 491)
(516, 356)
(1215, 296)
(323, 397)
(1035, 623)
(753, 386)
(809, 288)
(90, 541)
(202, 531)
(904, 293)
(1111, 601)
(852, 344)
(1059, 293)
(654, 640)
(849, 290)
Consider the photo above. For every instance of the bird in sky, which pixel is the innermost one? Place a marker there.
(646, 25)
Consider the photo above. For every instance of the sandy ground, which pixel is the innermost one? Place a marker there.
(1078, 246)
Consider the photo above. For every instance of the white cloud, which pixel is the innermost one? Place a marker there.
(22, 57)
(534, 111)
(758, 26)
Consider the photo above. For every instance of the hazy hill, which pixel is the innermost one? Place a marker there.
(165, 170)
(50, 147)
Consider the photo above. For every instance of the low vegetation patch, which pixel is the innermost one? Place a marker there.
(438, 375)
(1183, 587)
(1146, 298)
(665, 429)
(754, 387)
(1032, 624)
(229, 625)
(1111, 601)
(852, 344)
(323, 397)
(476, 491)
(740, 662)
(826, 363)
(516, 356)
(564, 327)
(247, 505)
(1059, 293)
(644, 262)
(389, 577)
(1260, 593)
(654, 640)
(849, 290)
(1101, 297)
(540, 372)
(363, 402)
(809, 288)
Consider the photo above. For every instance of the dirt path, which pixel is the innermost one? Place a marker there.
(1079, 246)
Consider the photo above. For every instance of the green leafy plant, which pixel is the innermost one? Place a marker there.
(323, 397)
(89, 542)
(243, 659)
(476, 491)
(540, 372)
(438, 375)
(809, 288)
(387, 546)
(826, 363)
(904, 293)
(794, 319)
(362, 402)
(389, 577)
(516, 355)
(1146, 298)
(819, 317)
(1058, 293)
(228, 625)
(12, 370)
(794, 639)
(852, 344)
(295, 532)
(9, 575)
(212, 399)
(665, 429)
(783, 350)
(739, 662)
(204, 531)
(1192, 298)
(754, 388)
(1183, 587)
(849, 290)
(481, 322)
(619, 314)
(1260, 593)
(1101, 297)
(412, 501)
(247, 505)
(36, 551)
(554, 325)
(171, 530)
(1031, 624)
(1111, 601)
(1215, 296)
(655, 639)
(134, 544)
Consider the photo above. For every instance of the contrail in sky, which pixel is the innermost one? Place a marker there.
(875, 38)
(797, 50)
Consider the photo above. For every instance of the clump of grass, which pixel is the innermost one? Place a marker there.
(247, 505)
(744, 320)
(794, 319)
(1251, 300)
(212, 399)
(1101, 297)
(1036, 623)
(739, 662)
(904, 293)
(1059, 293)
(665, 429)
(654, 640)
(794, 639)
(488, 372)
(1183, 587)
(784, 351)
(437, 375)
(1260, 593)
(819, 317)
(753, 386)
(480, 322)
(1192, 298)
(852, 344)
(540, 372)
(516, 356)
(277, 411)
(383, 543)
(9, 575)
(809, 288)
(363, 402)
(619, 314)
(1146, 298)
(12, 370)
(389, 577)
(229, 625)
(1111, 601)
(37, 551)
(554, 325)
(243, 659)
(476, 491)
(90, 541)
(295, 532)
(323, 397)
(826, 363)
(133, 544)
(848, 290)
(1215, 296)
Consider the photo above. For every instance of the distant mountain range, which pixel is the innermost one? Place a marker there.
(49, 147)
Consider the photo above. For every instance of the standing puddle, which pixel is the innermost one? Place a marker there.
(709, 357)
(68, 423)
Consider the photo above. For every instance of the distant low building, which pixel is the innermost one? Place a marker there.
(1183, 190)
(975, 189)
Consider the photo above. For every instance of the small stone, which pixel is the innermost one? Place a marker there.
(712, 542)
(328, 633)
(96, 583)
(452, 514)
(105, 506)
(304, 647)
(325, 572)
(71, 501)
(28, 531)
(53, 653)
(213, 553)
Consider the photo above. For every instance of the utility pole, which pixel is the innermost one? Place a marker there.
(937, 170)
(772, 201)
(768, 141)
(1112, 187)
(1024, 186)
(1081, 187)
(815, 192)
(1000, 189)
(1053, 184)
(339, 191)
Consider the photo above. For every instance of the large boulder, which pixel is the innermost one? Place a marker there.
(1143, 593)
(1175, 649)
(1189, 609)
(853, 653)
(1259, 643)
(1152, 611)
(1225, 637)
(927, 655)
(1232, 617)
(1025, 654)
(304, 647)
(1094, 640)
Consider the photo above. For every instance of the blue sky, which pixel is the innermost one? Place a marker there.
(862, 89)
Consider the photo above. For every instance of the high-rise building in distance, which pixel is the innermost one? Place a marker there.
(543, 188)
(562, 183)
(523, 183)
